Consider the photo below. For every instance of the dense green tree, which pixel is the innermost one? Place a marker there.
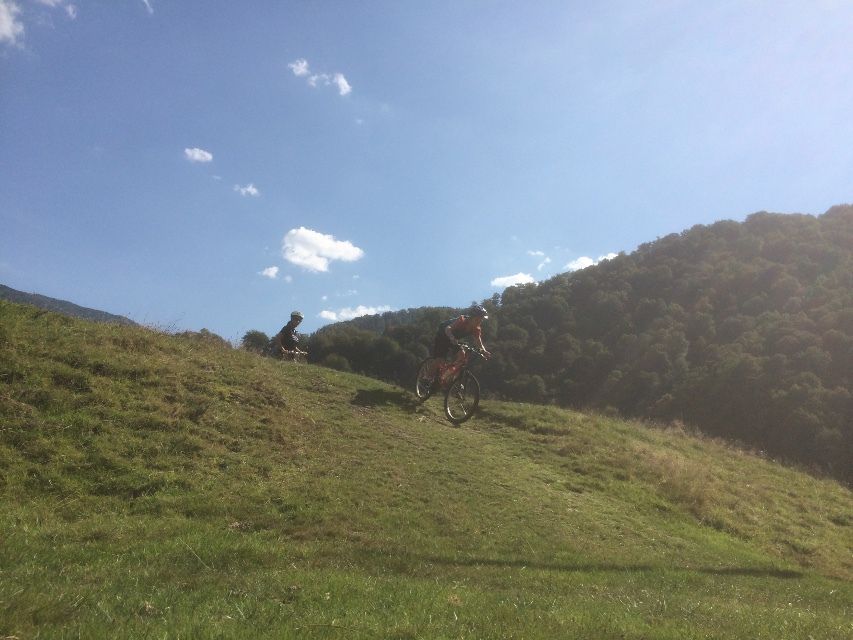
(255, 341)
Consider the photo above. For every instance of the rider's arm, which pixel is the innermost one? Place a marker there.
(478, 333)
(448, 331)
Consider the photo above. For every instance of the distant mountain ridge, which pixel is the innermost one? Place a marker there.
(60, 306)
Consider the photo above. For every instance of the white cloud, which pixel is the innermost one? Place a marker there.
(536, 253)
(585, 261)
(579, 263)
(198, 155)
(542, 264)
(269, 272)
(148, 6)
(10, 28)
(288, 279)
(299, 67)
(344, 87)
(249, 190)
(313, 250)
(510, 281)
(348, 313)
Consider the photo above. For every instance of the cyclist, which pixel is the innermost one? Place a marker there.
(284, 343)
(450, 331)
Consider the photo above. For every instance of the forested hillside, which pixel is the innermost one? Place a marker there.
(744, 330)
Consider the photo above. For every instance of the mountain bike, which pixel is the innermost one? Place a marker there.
(461, 388)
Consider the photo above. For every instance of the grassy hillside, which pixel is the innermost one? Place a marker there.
(162, 486)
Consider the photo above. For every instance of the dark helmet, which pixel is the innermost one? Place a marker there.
(296, 315)
(478, 311)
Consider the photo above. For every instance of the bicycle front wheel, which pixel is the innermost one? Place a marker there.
(425, 383)
(462, 398)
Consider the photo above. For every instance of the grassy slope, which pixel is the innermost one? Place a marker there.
(152, 484)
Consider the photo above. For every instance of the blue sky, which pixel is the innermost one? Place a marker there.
(209, 164)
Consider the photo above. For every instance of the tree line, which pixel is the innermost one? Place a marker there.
(743, 330)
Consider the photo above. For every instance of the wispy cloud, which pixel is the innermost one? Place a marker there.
(313, 250)
(198, 155)
(269, 272)
(585, 261)
(348, 313)
(10, 27)
(249, 190)
(344, 87)
(301, 69)
(510, 281)
(70, 9)
(540, 254)
(148, 6)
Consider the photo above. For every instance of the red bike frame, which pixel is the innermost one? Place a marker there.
(447, 371)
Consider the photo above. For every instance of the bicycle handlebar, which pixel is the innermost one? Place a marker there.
(467, 347)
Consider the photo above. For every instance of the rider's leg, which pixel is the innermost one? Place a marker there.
(440, 348)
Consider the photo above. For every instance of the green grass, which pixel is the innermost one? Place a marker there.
(159, 486)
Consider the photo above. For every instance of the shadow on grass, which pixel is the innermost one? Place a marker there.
(408, 560)
(384, 398)
(522, 424)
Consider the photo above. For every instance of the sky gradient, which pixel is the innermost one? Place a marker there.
(197, 164)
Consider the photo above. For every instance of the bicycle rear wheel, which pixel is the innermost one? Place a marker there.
(426, 383)
(462, 398)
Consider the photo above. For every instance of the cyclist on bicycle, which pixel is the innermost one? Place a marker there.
(450, 331)
(284, 343)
